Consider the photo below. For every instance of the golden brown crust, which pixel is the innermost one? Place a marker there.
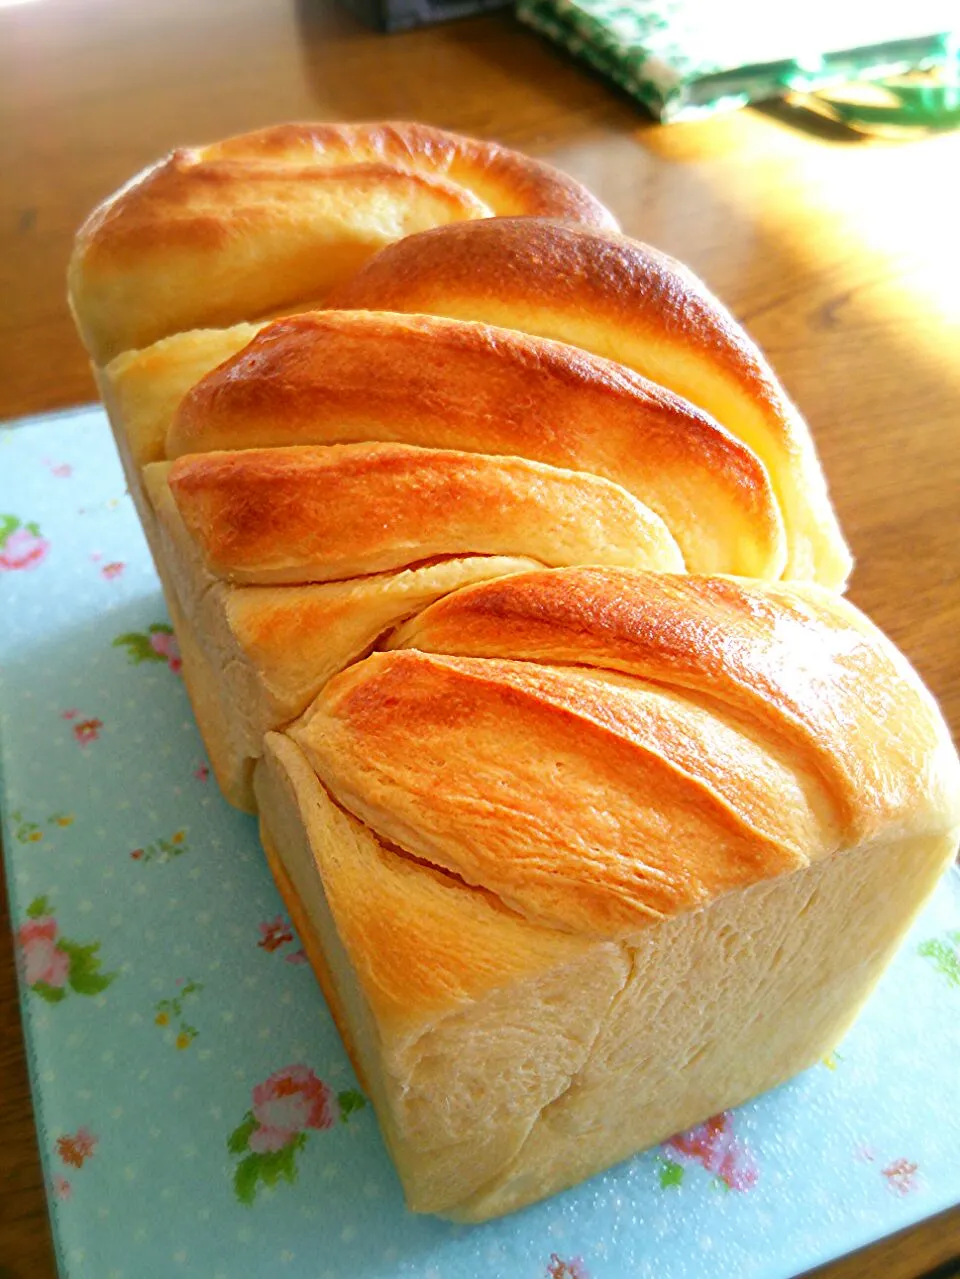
(796, 658)
(558, 793)
(516, 262)
(292, 639)
(338, 376)
(507, 181)
(420, 940)
(627, 302)
(721, 733)
(271, 220)
(326, 513)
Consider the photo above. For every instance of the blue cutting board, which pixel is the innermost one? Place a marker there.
(170, 1016)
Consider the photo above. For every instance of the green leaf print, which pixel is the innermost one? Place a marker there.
(52, 994)
(39, 907)
(24, 832)
(671, 1174)
(246, 1177)
(85, 976)
(163, 850)
(160, 628)
(81, 956)
(350, 1101)
(279, 1165)
(139, 649)
(8, 524)
(945, 955)
(90, 983)
(270, 1168)
(238, 1139)
(170, 1011)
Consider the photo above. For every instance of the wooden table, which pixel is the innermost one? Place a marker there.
(840, 256)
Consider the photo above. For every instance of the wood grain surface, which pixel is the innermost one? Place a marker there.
(840, 256)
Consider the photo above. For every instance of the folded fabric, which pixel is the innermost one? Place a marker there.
(682, 59)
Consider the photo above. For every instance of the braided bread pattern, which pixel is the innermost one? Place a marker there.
(374, 446)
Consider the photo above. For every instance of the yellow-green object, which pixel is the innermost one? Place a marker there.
(927, 102)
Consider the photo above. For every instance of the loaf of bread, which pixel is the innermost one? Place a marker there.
(269, 222)
(585, 856)
(507, 591)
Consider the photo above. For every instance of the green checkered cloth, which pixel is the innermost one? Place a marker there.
(686, 58)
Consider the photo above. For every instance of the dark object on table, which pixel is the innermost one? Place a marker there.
(398, 15)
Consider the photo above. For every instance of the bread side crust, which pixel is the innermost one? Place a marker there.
(703, 1012)
(722, 1006)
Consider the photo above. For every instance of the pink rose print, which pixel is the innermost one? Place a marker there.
(112, 570)
(901, 1176)
(277, 933)
(21, 545)
(166, 645)
(74, 1149)
(202, 773)
(53, 964)
(62, 470)
(714, 1146)
(87, 731)
(288, 1102)
(43, 962)
(285, 1107)
(274, 934)
(84, 730)
(77, 1149)
(557, 1268)
(157, 644)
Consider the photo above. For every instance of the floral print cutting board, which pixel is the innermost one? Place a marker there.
(197, 1113)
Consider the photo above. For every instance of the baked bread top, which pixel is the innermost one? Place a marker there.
(315, 514)
(602, 748)
(624, 301)
(339, 377)
(270, 221)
